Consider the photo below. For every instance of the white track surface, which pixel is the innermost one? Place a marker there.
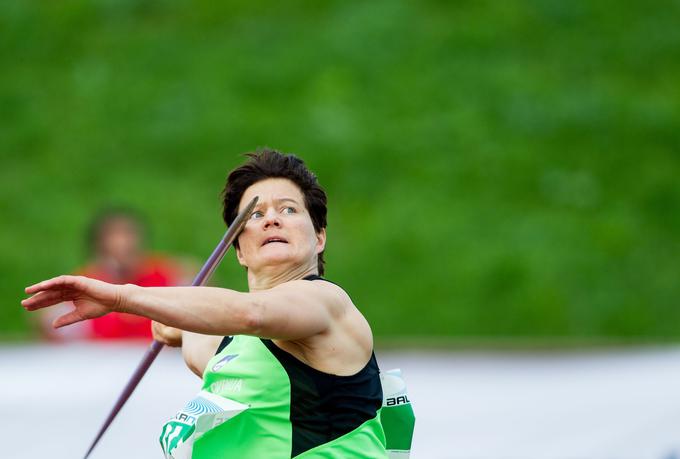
(613, 405)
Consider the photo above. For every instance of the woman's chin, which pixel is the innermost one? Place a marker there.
(277, 260)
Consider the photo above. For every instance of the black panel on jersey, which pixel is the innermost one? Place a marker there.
(225, 342)
(315, 277)
(323, 406)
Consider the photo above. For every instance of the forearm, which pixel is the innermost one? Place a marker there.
(204, 310)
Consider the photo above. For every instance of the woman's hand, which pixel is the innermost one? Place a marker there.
(91, 298)
(169, 336)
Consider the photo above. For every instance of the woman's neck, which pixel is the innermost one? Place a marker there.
(266, 279)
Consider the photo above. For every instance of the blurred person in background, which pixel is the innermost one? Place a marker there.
(288, 367)
(116, 243)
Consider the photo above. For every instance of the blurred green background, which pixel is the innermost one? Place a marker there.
(496, 170)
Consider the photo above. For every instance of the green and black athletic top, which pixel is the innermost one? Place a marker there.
(295, 411)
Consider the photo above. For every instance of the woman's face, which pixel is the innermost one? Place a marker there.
(279, 233)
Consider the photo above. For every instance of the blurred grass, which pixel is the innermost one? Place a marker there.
(494, 169)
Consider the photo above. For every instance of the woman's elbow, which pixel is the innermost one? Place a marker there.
(252, 319)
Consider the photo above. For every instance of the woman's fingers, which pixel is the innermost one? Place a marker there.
(90, 298)
(67, 319)
(167, 335)
(48, 284)
(44, 299)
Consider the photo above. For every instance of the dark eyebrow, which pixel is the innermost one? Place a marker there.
(286, 199)
(280, 200)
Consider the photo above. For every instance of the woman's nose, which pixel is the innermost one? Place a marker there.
(271, 219)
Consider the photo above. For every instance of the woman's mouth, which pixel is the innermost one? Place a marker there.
(273, 239)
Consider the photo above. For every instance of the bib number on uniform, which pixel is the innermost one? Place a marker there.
(199, 415)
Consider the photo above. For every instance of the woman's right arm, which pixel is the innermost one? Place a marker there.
(197, 349)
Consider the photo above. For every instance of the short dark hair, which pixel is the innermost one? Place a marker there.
(267, 163)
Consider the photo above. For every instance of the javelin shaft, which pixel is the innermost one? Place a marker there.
(156, 346)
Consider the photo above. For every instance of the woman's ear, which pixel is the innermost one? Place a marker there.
(321, 240)
(240, 258)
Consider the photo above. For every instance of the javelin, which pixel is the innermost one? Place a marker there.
(156, 346)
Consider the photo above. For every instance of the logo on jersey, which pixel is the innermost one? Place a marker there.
(402, 399)
(226, 385)
(223, 361)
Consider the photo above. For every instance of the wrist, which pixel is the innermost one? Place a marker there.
(124, 297)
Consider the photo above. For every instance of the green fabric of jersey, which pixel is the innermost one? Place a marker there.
(253, 376)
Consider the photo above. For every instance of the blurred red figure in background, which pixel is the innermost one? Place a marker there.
(116, 241)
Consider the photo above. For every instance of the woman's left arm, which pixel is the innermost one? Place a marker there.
(293, 310)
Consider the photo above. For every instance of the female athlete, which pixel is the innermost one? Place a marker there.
(288, 368)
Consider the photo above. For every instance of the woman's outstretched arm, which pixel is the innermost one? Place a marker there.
(198, 309)
(293, 310)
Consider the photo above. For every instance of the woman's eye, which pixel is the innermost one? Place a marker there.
(256, 214)
(289, 210)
